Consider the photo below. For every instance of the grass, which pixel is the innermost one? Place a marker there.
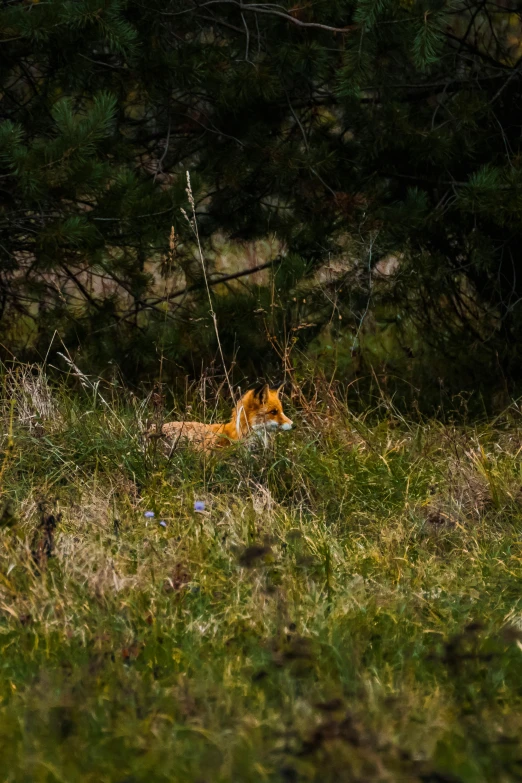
(346, 608)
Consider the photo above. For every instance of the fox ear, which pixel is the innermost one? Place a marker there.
(261, 393)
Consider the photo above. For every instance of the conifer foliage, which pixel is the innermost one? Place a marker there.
(396, 123)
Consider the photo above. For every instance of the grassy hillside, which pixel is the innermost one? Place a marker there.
(347, 606)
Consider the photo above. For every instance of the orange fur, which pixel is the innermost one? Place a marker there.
(258, 410)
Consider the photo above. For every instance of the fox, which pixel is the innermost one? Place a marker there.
(258, 412)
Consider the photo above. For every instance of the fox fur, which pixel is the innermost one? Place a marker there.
(259, 412)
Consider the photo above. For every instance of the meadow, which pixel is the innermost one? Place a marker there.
(344, 605)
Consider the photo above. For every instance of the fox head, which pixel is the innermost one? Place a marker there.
(263, 409)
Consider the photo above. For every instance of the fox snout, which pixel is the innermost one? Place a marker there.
(280, 423)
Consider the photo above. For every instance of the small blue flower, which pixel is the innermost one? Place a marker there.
(163, 523)
(149, 514)
(199, 505)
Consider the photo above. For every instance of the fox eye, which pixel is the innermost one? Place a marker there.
(273, 413)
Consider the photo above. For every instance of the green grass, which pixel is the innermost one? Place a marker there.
(347, 607)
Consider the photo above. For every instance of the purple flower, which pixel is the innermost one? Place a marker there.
(149, 514)
(199, 505)
(163, 523)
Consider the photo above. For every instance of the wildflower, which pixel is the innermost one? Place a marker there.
(163, 523)
(149, 514)
(199, 505)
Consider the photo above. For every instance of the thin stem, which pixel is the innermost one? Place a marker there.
(194, 226)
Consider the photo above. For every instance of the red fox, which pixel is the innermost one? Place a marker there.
(259, 411)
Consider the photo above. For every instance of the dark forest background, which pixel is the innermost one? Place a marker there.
(377, 143)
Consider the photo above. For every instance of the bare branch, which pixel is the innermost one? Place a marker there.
(217, 281)
(270, 11)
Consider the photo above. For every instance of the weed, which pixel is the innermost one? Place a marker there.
(343, 605)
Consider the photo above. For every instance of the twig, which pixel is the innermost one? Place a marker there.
(265, 9)
(159, 167)
(515, 72)
(247, 32)
(224, 279)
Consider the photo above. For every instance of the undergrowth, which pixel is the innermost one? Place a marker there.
(346, 606)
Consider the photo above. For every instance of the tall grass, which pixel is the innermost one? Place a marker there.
(347, 607)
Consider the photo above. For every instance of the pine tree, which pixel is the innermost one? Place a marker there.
(394, 123)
